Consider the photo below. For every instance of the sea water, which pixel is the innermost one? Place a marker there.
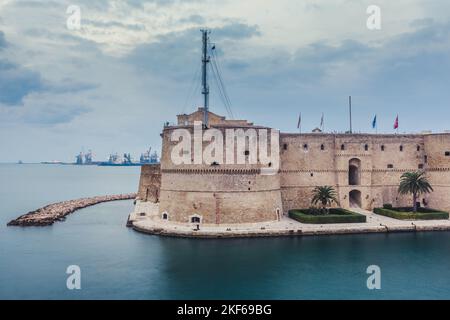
(119, 263)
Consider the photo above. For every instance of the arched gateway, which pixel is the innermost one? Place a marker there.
(355, 199)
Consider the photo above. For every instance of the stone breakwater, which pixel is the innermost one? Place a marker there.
(47, 215)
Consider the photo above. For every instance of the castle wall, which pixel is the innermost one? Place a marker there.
(438, 170)
(310, 160)
(149, 183)
(364, 169)
(225, 193)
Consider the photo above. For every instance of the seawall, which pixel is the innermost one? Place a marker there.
(47, 215)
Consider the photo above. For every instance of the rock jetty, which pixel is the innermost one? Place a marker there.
(47, 215)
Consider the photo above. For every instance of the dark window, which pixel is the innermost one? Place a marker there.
(401, 148)
(322, 147)
(342, 147)
(246, 152)
(195, 219)
(418, 148)
(270, 164)
(165, 216)
(305, 147)
(366, 147)
(312, 174)
(382, 148)
(425, 158)
(214, 163)
(447, 153)
(285, 146)
(421, 166)
(390, 166)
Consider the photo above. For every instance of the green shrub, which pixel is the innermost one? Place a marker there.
(406, 213)
(335, 215)
(387, 206)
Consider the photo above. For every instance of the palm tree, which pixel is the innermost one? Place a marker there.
(325, 195)
(416, 183)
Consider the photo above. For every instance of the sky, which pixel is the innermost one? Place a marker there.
(131, 66)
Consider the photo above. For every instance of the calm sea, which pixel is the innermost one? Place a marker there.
(118, 263)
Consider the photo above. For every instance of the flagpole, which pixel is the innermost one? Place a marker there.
(376, 125)
(300, 126)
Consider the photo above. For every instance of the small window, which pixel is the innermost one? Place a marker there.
(390, 166)
(195, 219)
(420, 166)
(322, 147)
(342, 147)
(425, 158)
(214, 163)
(305, 147)
(165, 216)
(312, 174)
(270, 164)
(401, 148)
(366, 147)
(285, 146)
(246, 152)
(447, 153)
(382, 147)
(418, 148)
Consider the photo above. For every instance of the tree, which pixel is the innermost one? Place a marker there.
(325, 195)
(414, 183)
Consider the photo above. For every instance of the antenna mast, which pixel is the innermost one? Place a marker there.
(205, 87)
(350, 111)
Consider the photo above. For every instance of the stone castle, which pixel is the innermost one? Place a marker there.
(364, 169)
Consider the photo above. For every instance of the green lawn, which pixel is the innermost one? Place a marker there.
(406, 213)
(335, 215)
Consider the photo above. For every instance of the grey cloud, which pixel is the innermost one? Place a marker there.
(17, 82)
(51, 113)
(2, 40)
(173, 54)
(109, 24)
(236, 31)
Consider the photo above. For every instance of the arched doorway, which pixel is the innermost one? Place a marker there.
(354, 198)
(354, 172)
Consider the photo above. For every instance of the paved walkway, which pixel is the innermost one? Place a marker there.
(153, 224)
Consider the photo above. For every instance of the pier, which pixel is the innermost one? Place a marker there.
(47, 215)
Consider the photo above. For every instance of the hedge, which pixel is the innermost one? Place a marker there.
(406, 213)
(335, 215)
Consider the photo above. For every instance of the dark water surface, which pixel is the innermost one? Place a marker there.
(118, 263)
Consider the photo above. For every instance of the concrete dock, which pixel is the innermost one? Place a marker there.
(151, 223)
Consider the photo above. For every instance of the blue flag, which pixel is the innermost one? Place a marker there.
(374, 122)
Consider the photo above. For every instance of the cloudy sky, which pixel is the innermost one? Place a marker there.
(111, 85)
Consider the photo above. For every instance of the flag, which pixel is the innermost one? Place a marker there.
(396, 123)
(374, 122)
(299, 120)
(321, 121)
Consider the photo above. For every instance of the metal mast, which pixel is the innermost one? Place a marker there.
(350, 111)
(205, 87)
